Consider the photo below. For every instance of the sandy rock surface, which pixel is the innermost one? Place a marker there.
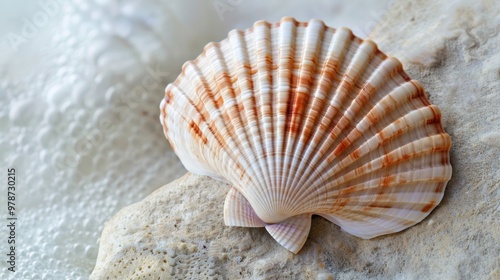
(179, 232)
(453, 49)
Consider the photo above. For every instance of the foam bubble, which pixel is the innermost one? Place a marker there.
(22, 112)
(56, 95)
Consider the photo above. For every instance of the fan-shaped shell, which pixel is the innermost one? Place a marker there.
(305, 119)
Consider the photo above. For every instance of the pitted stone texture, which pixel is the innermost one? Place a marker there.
(178, 232)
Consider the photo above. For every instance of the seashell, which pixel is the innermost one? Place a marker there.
(304, 119)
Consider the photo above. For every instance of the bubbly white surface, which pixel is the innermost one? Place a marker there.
(80, 96)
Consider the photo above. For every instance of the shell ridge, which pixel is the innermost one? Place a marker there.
(424, 147)
(321, 85)
(391, 217)
(275, 54)
(346, 93)
(388, 105)
(326, 63)
(341, 94)
(220, 123)
(232, 105)
(379, 216)
(232, 108)
(239, 212)
(394, 203)
(190, 160)
(200, 151)
(347, 118)
(383, 220)
(245, 99)
(379, 77)
(287, 31)
(264, 78)
(291, 233)
(365, 229)
(391, 131)
(404, 92)
(335, 57)
(418, 148)
(393, 183)
(334, 106)
(222, 83)
(307, 74)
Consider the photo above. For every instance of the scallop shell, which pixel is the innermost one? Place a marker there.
(303, 119)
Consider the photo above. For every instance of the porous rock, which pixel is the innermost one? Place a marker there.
(178, 232)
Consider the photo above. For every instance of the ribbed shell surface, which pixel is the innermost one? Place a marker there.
(305, 119)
